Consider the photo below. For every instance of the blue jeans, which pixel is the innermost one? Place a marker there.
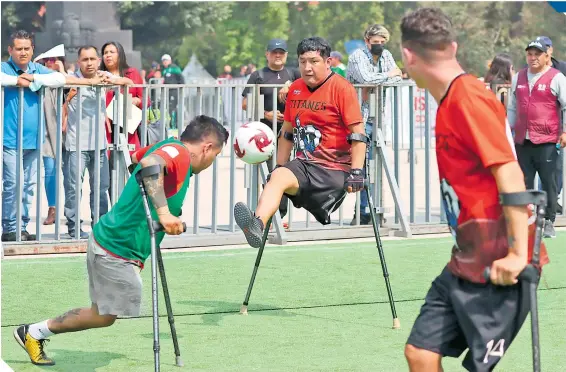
(50, 184)
(364, 203)
(9, 185)
(88, 159)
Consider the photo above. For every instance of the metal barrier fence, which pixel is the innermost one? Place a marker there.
(404, 114)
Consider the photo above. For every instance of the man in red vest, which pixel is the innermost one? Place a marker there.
(538, 95)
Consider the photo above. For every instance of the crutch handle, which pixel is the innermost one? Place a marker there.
(157, 227)
(529, 274)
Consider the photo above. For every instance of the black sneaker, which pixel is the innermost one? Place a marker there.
(27, 236)
(9, 237)
(250, 224)
(365, 219)
(549, 231)
(83, 235)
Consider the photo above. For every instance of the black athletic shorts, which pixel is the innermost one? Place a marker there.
(459, 315)
(321, 190)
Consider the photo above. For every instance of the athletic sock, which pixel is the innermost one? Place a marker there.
(39, 331)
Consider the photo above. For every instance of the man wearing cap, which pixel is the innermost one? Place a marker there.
(274, 73)
(336, 64)
(172, 74)
(538, 95)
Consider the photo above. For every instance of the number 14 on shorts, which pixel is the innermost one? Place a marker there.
(495, 351)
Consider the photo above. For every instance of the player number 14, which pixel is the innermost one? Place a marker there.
(496, 351)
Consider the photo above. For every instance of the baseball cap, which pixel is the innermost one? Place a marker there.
(336, 54)
(545, 40)
(276, 44)
(165, 57)
(537, 45)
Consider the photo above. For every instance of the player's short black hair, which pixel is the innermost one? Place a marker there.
(314, 44)
(20, 35)
(426, 30)
(204, 126)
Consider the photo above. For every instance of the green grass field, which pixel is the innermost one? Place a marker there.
(313, 308)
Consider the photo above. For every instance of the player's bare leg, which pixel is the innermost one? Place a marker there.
(79, 320)
(282, 181)
(32, 337)
(421, 360)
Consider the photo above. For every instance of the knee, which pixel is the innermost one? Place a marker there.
(414, 355)
(284, 179)
(107, 320)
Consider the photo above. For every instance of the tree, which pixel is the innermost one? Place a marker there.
(16, 16)
(159, 27)
(337, 22)
(242, 38)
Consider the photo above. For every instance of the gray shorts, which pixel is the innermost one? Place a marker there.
(115, 285)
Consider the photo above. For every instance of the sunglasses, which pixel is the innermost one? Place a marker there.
(50, 59)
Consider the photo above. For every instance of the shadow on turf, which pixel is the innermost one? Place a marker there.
(216, 310)
(72, 361)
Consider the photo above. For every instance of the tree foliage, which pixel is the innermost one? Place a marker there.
(159, 26)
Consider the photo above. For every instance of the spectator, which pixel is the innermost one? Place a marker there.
(38, 20)
(537, 94)
(32, 75)
(500, 72)
(155, 67)
(71, 68)
(49, 150)
(274, 73)
(561, 66)
(243, 71)
(89, 61)
(227, 74)
(372, 64)
(172, 74)
(336, 64)
(553, 62)
(115, 63)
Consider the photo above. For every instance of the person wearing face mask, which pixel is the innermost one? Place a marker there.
(372, 64)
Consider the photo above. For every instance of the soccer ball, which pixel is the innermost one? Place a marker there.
(254, 143)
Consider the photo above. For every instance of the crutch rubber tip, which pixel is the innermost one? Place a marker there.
(244, 310)
(178, 361)
(396, 323)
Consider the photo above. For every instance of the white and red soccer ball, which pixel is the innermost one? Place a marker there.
(254, 143)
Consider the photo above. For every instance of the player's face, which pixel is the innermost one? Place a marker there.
(205, 157)
(314, 68)
(412, 64)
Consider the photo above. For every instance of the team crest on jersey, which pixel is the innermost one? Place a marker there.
(307, 138)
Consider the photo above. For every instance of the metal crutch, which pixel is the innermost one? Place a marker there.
(155, 227)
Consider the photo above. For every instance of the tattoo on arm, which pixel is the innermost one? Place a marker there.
(510, 237)
(154, 184)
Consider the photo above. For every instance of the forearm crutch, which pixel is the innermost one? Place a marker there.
(244, 308)
(396, 323)
(530, 273)
(155, 227)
